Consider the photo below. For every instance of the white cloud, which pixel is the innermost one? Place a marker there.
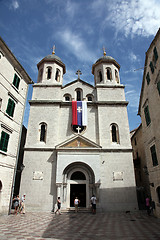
(135, 17)
(76, 45)
(133, 57)
(131, 17)
(15, 4)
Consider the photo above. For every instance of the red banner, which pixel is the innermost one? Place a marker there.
(74, 112)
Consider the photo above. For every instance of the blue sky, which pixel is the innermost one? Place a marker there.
(79, 29)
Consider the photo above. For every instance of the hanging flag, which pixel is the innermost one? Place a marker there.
(79, 113)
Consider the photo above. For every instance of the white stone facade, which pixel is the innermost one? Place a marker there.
(104, 164)
(150, 116)
(11, 121)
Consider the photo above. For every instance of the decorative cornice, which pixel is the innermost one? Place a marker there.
(109, 86)
(69, 103)
(78, 149)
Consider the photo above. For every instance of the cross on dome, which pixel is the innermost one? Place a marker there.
(54, 47)
(104, 51)
(79, 73)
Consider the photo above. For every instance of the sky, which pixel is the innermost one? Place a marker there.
(80, 29)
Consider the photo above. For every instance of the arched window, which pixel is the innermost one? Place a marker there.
(89, 98)
(78, 129)
(100, 78)
(49, 72)
(116, 76)
(114, 133)
(67, 97)
(43, 129)
(78, 94)
(158, 194)
(0, 185)
(109, 73)
(78, 176)
(40, 75)
(57, 77)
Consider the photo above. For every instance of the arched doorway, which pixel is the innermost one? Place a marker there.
(80, 182)
(78, 189)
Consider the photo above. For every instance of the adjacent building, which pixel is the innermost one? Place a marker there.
(78, 141)
(149, 111)
(140, 167)
(14, 82)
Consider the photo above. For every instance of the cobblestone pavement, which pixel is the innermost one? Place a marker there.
(78, 226)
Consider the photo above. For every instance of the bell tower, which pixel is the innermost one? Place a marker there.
(50, 78)
(106, 71)
(51, 70)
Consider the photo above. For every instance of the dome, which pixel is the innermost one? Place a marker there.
(52, 58)
(105, 59)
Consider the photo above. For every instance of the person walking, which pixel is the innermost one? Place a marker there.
(58, 206)
(22, 207)
(16, 204)
(93, 202)
(76, 202)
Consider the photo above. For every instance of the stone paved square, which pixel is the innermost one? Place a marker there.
(77, 226)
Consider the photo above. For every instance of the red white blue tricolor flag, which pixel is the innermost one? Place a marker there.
(79, 113)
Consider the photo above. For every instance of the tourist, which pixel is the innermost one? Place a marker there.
(93, 202)
(58, 206)
(22, 207)
(76, 202)
(16, 203)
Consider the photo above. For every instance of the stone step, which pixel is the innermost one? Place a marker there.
(72, 209)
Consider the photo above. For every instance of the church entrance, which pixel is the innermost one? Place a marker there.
(78, 190)
(78, 181)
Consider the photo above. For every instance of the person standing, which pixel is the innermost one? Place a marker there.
(93, 202)
(148, 205)
(22, 208)
(76, 202)
(58, 206)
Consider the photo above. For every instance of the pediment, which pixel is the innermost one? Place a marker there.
(80, 82)
(78, 142)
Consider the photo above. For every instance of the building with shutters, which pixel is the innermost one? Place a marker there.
(69, 160)
(13, 93)
(150, 116)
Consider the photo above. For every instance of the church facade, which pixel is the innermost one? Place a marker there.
(67, 160)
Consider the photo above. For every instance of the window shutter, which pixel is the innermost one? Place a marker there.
(148, 78)
(4, 141)
(151, 67)
(154, 155)
(155, 53)
(16, 81)
(158, 87)
(10, 107)
(147, 115)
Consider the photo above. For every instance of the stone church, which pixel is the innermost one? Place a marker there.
(67, 158)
